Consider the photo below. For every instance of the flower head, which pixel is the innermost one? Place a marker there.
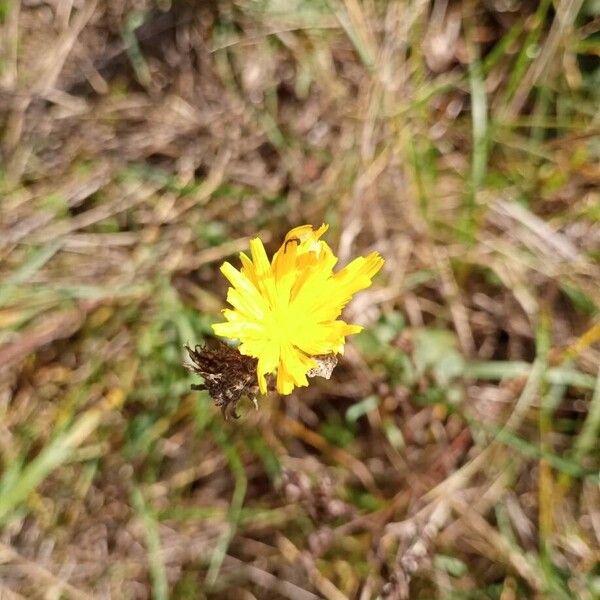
(285, 311)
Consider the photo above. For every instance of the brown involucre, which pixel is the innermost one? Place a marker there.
(228, 375)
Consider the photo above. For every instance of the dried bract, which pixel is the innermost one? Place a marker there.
(228, 375)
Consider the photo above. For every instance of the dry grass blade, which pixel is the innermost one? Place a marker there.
(41, 577)
(410, 560)
(452, 452)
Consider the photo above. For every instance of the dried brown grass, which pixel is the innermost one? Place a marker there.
(143, 143)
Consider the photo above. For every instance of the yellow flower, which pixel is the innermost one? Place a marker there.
(285, 312)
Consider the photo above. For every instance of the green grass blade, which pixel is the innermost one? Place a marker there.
(158, 572)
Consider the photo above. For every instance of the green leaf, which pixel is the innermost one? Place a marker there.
(361, 408)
